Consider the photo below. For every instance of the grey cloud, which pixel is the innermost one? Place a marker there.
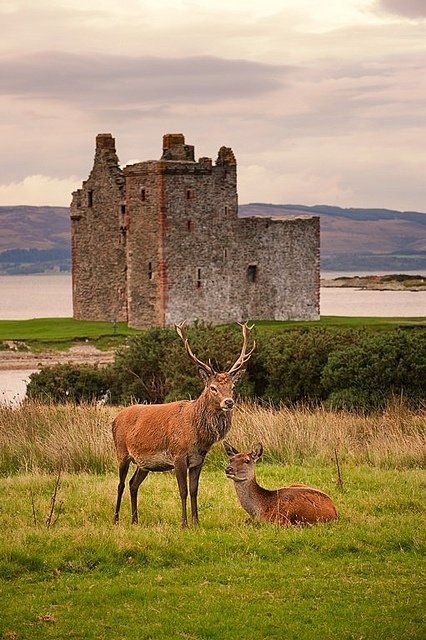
(105, 80)
(406, 8)
(363, 96)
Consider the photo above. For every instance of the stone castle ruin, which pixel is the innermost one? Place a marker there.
(160, 241)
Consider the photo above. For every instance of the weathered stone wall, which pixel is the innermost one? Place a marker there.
(168, 245)
(278, 272)
(201, 205)
(98, 245)
(221, 268)
(144, 258)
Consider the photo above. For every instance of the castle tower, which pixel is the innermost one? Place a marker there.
(182, 216)
(98, 235)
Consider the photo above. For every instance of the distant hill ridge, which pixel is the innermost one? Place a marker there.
(360, 239)
(352, 213)
(352, 239)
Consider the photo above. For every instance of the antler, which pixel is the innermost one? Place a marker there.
(244, 357)
(205, 367)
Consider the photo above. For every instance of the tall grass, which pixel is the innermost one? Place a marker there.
(395, 438)
(76, 438)
(45, 437)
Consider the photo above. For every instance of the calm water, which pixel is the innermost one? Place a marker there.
(35, 296)
(49, 296)
(13, 385)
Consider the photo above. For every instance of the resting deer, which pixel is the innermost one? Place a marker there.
(295, 504)
(179, 434)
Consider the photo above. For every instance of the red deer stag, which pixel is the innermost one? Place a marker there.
(179, 434)
(295, 504)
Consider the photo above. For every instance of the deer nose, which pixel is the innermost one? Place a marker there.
(228, 403)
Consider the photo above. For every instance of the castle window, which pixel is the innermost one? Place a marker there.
(90, 198)
(150, 272)
(199, 278)
(252, 273)
(190, 225)
(226, 210)
(188, 194)
(225, 254)
(143, 195)
(123, 219)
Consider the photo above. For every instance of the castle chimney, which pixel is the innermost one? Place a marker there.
(174, 148)
(105, 141)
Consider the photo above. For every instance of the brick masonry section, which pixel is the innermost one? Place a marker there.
(161, 241)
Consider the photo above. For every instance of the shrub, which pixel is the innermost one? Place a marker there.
(345, 369)
(291, 364)
(368, 374)
(68, 383)
(138, 373)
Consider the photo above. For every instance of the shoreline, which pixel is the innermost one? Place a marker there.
(13, 360)
(374, 283)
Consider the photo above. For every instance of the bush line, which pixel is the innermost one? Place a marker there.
(344, 370)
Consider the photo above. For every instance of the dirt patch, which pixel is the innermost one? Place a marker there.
(77, 354)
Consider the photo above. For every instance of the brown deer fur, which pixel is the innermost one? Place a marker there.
(292, 505)
(176, 435)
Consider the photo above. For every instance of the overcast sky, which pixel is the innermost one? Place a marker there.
(322, 101)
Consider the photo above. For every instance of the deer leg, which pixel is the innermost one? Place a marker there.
(194, 477)
(135, 481)
(181, 470)
(122, 472)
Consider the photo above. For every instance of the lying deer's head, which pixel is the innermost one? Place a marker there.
(220, 385)
(241, 465)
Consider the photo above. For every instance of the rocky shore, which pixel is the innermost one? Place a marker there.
(13, 359)
(378, 283)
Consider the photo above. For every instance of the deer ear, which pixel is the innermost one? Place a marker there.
(256, 451)
(203, 374)
(230, 451)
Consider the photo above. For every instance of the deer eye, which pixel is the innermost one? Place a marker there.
(213, 388)
(246, 461)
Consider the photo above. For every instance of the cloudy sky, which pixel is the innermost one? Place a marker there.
(322, 101)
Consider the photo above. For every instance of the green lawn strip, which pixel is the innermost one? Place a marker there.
(85, 578)
(239, 596)
(49, 332)
(59, 333)
(343, 322)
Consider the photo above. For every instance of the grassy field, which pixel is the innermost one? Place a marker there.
(59, 333)
(82, 577)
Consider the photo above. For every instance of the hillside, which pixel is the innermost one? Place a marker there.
(34, 228)
(36, 239)
(360, 239)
